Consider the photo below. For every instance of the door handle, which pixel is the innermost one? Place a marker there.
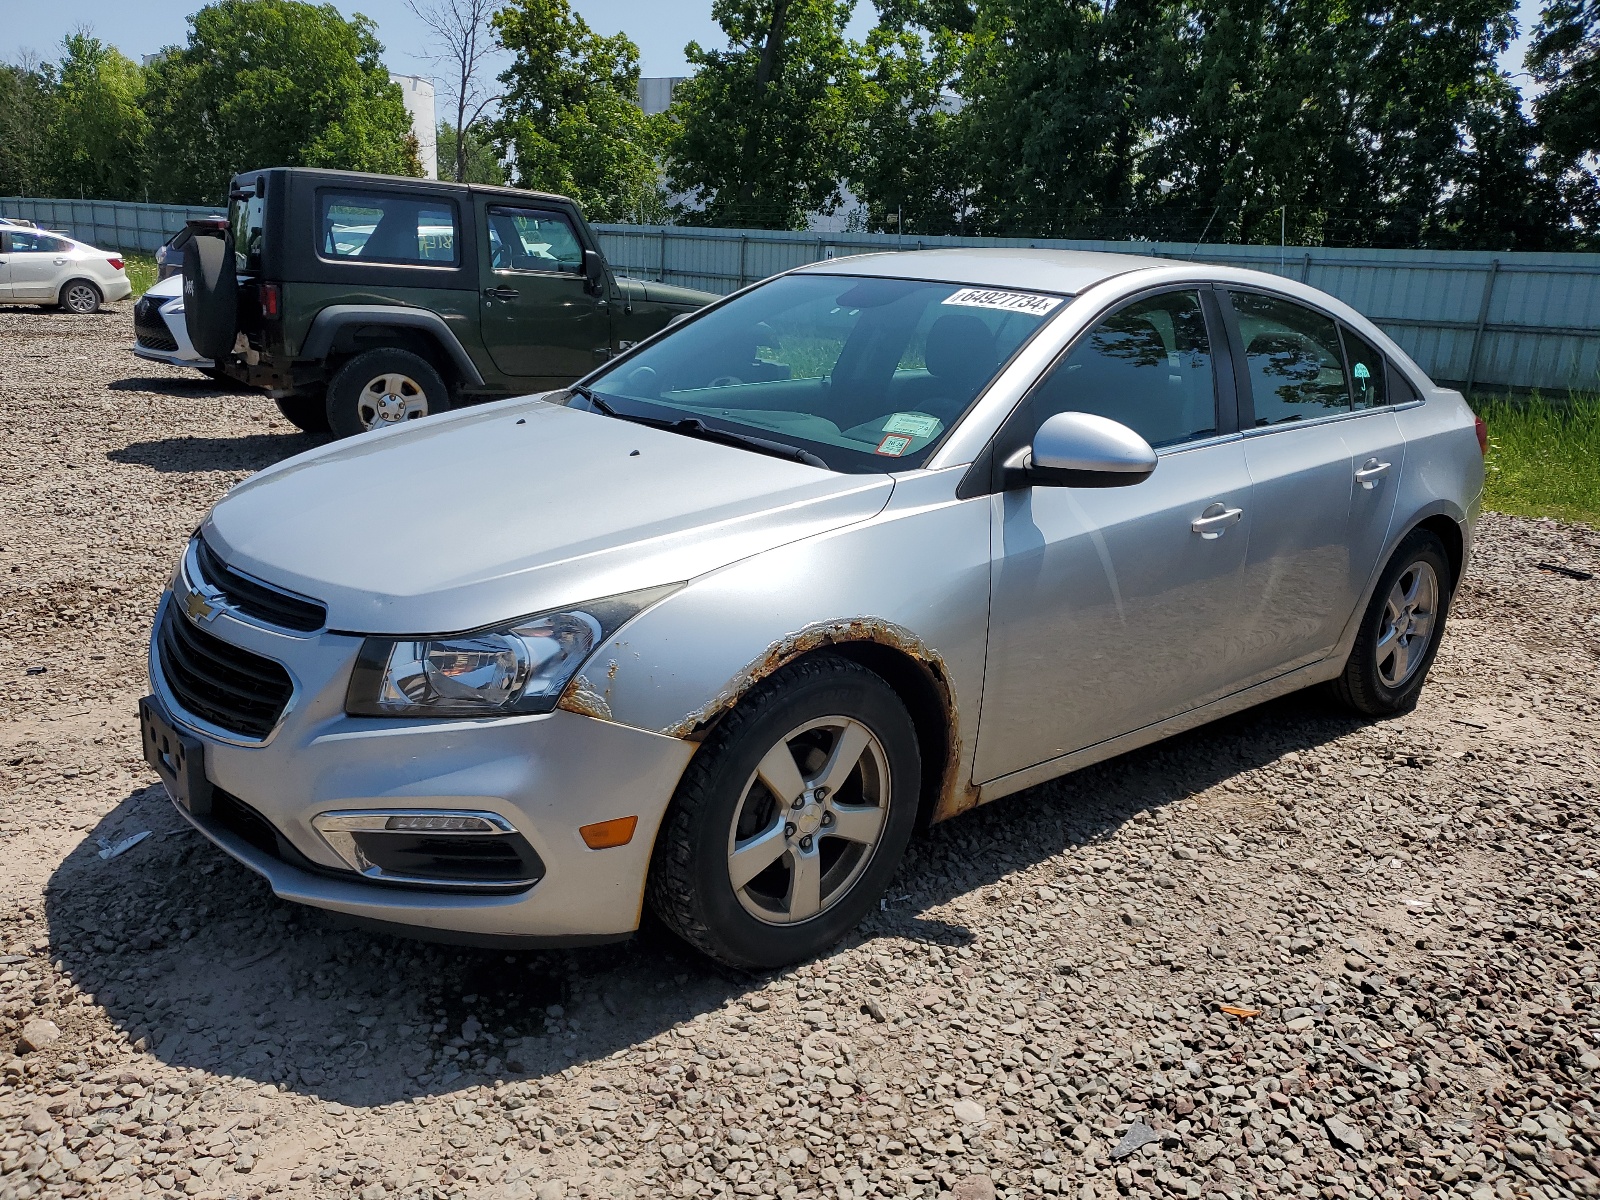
(1371, 471)
(502, 293)
(1214, 522)
(61, 262)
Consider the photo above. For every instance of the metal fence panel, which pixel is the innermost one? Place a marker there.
(1468, 317)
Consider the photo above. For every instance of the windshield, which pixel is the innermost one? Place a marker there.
(867, 374)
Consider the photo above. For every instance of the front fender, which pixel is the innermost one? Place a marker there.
(915, 578)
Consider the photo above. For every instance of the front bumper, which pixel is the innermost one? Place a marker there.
(547, 774)
(173, 358)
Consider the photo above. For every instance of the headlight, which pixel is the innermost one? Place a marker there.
(520, 667)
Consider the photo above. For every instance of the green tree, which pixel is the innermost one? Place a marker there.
(96, 140)
(266, 83)
(28, 104)
(570, 120)
(909, 169)
(765, 129)
(477, 161)
(1565, 58)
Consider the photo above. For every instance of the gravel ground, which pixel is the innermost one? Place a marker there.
(1288, 954)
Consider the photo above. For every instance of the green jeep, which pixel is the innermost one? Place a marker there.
(356, 301)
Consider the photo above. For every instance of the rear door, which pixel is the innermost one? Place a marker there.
(541, 323)
(1324, 472)
(39, 262)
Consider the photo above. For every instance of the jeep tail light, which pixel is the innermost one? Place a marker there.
(1481, 427)
(269, 301)
(116, 263)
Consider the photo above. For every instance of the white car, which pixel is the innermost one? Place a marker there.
(159, 330)
(38, 267)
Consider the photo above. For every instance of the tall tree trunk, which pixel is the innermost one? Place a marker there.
(766, 66)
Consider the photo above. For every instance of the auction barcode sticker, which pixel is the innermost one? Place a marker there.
(1022, 302)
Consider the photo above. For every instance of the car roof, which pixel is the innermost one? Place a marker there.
(1067, 271)
(409, 181)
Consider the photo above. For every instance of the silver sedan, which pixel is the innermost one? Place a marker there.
(859, 547)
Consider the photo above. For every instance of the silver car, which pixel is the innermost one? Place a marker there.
(859, 547)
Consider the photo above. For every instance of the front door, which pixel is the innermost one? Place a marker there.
(1325, 474)
(540, 321)
(38, 263)
(1114, 608)
(5, 266)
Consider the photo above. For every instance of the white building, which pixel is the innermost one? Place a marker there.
(655, 93)
(419, 103)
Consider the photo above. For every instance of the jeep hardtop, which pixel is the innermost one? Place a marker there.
(356, 301)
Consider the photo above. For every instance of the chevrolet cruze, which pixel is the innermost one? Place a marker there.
(859, 547)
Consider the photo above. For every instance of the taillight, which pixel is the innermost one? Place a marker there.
(116, 263)
(269, 301)
(1481, 427)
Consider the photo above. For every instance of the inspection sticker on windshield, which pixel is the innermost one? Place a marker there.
(1022, 302)
(916, 424)
(894, 445)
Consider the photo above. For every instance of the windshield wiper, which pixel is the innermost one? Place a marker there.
(695, 427)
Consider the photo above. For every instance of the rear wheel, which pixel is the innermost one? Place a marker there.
(80, 297)
(792, 818)
(381, 388)
(1401, 630)
(309, 414)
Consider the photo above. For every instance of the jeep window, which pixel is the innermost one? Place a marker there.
(531, 239)
(388, 228)
(244, 217)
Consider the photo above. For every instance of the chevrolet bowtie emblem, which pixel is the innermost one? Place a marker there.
(199, 608)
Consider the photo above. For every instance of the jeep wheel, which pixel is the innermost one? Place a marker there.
(80, 297)
(382, 388)
(309, 414)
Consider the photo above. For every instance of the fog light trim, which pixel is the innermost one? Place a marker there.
(344, 832)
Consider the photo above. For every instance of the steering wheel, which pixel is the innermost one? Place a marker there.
(724, 381)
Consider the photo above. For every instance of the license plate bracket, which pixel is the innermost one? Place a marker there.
(178, 759)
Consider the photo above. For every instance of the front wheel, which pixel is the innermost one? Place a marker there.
(381, 388)
(792, 817)
(1400, 631)
(80, 297)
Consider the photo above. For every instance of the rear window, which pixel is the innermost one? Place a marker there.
(388, 228)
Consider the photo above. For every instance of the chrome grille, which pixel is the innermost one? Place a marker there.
(259, 601)
(222, 684)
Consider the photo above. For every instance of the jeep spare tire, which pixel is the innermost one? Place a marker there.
(210, 290)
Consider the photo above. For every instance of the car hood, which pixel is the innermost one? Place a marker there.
(665, 293)
(470, 519)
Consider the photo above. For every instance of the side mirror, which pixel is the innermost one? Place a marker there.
(594, 270)
(1074, 449)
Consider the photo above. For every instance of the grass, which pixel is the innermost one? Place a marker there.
(141, 268)
(1544, 457)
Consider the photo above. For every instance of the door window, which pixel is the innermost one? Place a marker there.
(527, 239)
(25, 241)
(1368, 379)
(1147, 365)
(1296, 365)
(388, 228)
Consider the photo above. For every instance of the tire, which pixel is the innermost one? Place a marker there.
(210, 294)
(725, 805)
(383, 387)
(309, 414)
(80, 297)
(1385, 672)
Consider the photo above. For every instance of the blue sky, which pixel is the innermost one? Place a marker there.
(660, 27)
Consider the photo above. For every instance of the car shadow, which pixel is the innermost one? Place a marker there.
(184, 454)
(193, 957)
(191, 385)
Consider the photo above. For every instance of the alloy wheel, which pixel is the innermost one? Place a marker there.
(1409, 618)
(389, 399)
(81, 299)
(809, 821)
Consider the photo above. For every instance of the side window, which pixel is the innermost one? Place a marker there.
(25, 241)
(388, 228)
(1147, 365)
(1369, 384)
(1296, 366)
(529, 239)
(1401, 389)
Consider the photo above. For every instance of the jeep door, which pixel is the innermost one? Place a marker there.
(541, 322)
(1113, 608)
